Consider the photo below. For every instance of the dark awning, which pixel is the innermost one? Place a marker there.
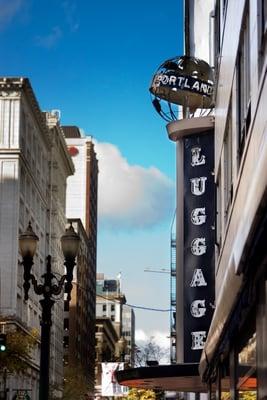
(177, 377)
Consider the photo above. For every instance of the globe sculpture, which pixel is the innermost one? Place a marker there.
(182, 81)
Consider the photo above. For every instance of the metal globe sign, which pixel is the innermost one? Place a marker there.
(186, 81)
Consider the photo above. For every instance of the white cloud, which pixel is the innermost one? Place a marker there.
(8, 9)
(49, 40)
(69, 8)
(131, 196)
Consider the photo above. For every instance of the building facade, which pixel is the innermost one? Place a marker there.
(82, 210)
(110, 303)
(106, 340)
(234, 357)
(34, 167)
(128, 332)
(82, 186)
(79, 314)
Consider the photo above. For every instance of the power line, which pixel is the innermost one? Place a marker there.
(129, 305)
(159, 271)
(148, 308)
(135, 306)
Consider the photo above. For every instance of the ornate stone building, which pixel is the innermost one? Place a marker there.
(34, 165)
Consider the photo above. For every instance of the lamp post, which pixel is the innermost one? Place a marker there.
(50, 287)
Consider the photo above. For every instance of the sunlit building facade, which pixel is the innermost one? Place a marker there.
(110, 303)
(82, 197)
(234, 358)
(34, 166)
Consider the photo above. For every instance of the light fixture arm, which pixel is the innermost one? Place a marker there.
(48, 289)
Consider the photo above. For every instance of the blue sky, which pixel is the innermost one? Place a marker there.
(94, 62)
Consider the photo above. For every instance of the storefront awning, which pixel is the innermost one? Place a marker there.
(176, 377)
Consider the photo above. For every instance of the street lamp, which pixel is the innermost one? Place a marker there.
(50, 287)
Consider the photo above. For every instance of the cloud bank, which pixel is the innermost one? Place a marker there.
(131, 196)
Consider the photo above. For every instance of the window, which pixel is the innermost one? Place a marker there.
(104, 307)
(247, 370)
(263, 17)
(65, 342)
(218, 212)
(228, 164)
(112, 307)
(262, 33)
(217, 34)
(66, 324)
(66, 305)
(243, 85)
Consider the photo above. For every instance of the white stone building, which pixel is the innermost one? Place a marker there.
(34, 165)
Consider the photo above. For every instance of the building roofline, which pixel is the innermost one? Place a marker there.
(23, 84)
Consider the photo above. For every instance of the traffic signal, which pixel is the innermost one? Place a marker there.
(2, 342)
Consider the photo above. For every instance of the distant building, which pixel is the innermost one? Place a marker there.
(82, 210)
(106, 340)
(82, 186)
(128, 332)
(110, 303)
(34, 165)
(79, 315)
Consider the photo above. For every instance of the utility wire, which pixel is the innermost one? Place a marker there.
(126, 304)
(148, 308)
(134, 306)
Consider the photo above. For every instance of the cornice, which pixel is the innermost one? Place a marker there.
(13, 87)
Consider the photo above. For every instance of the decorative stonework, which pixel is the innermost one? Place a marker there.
(9, 94)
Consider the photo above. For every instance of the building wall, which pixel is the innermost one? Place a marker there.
(26, 147)
(60, 166)
(240, 174)
(82, 210)
(199, 29)
(106, 339)
(110, 303)
(245, 176)
(82, 186)
(79, 321)
(128, 332)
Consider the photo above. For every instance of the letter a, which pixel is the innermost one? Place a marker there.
(198, 278)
